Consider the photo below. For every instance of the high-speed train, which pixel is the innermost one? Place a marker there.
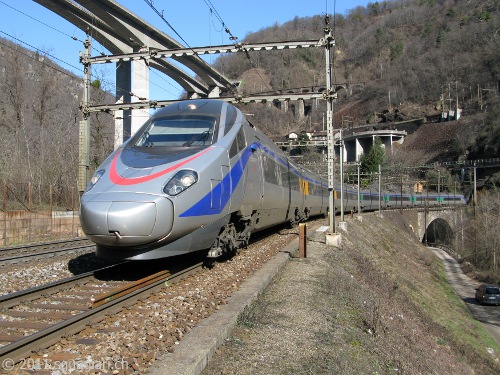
(197, 175)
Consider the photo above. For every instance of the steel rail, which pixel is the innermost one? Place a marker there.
(41, 244)
(40, 255)
(23, 348)
(12, 299)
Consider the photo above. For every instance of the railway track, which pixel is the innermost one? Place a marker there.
(17, 254)
(36, 318)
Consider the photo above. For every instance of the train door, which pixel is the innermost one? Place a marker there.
(254, 191)
(226, 186)
(285, 178)
(221, 186)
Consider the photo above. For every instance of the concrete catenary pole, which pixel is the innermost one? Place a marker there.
(359, 187)
(341, 175)
(379, 188)
(84, 131)
(329, 123)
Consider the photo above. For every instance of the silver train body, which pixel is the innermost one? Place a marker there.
(197, 175)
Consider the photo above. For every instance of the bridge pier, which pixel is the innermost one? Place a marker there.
(123, 120)
(131, 77)
(140, 88)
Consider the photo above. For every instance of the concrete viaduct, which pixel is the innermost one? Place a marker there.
(122, 32)
(137, 46)
(360, 143)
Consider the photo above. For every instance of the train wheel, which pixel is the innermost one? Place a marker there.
(225, 243)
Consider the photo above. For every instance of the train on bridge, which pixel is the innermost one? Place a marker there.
(199, 176)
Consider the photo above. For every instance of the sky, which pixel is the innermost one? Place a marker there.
(37, 28)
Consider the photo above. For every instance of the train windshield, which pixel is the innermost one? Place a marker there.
(179, 131)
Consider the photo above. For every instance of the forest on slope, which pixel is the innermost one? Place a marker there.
(401, 60)
(39, 124)
(416, 50)
(403, 54)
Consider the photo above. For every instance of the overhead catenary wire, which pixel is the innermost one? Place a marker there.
(79, 69)
(236, 39)
(224, 26)
(42, 62)
(160, 14)
(55, 68)
(73, 76)
(38, 49)
(43, 23)
(73, 37)
(226, 29)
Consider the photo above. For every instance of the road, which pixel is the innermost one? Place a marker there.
(465, 287)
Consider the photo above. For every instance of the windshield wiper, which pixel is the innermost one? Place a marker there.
(197, 138)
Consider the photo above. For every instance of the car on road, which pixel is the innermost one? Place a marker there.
(488, 294)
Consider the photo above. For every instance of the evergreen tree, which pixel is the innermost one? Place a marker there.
(374, 158)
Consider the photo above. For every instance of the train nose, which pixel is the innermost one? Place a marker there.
(126, 220)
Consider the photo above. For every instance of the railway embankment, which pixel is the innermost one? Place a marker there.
(378, 304)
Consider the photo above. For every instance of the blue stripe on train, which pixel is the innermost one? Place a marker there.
(223, 189)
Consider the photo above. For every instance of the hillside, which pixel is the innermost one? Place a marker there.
(398, 59)
(379, 304)
(39, 124)
(416, 56)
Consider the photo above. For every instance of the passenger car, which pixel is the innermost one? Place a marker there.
(488, 294)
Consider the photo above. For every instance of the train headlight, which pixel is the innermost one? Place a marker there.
(96, 177)
(180, 182)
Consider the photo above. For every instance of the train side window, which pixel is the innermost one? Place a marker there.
(230, 119)
(240, 138)
(285, 176)
(312, 188)
(294, 182)
(270, 170)
(233, 151)
(238, 143)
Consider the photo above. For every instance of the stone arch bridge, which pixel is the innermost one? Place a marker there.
(437, 225)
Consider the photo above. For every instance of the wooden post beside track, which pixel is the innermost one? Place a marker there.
(303, 240)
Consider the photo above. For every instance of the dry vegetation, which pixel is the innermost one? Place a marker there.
(378, 305)
(399, 54)
(39, 124)
(413, 49)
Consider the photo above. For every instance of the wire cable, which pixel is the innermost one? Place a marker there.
(43, 23)
(226, 29)
(236, 39)
(38, 49)
(151, 5)
(160, 14)
(42, 62)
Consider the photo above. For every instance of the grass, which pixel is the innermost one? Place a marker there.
(380, 304)
(449, 311)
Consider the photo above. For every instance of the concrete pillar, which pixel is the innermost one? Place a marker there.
(359, 150)
(214, 92)
(301, 110)
(123, 89)
(344, 150)
(284, 106)
(140, 87)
